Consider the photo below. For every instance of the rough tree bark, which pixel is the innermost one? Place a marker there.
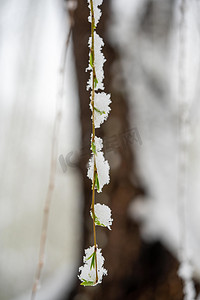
(136, 270)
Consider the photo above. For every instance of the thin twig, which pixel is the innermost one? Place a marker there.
(93, 132)
(54, 154)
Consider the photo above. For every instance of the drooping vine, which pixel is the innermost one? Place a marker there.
(71, 7)
(92, 271)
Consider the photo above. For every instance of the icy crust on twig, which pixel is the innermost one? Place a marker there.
(98, 144)
(186, 272)
(101, 108)
(97, 11)
(92, 271)
(88, 271)
(102, 215)
(99, 61)
(102, 170)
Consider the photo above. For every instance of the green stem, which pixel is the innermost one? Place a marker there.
(93, 132)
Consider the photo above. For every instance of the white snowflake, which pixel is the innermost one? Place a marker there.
(99, 61)
(102, 169)
(102, 215)
(98, 143)
(88, 273)
(102, 108)
(97, 11)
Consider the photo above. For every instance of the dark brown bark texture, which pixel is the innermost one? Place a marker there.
(136, 269)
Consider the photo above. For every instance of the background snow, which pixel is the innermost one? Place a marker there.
(33, 35)
(150, 65)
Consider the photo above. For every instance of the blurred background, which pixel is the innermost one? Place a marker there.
(144, 62)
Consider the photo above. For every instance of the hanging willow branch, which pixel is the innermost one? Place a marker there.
(54, 155)
(92, 271)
